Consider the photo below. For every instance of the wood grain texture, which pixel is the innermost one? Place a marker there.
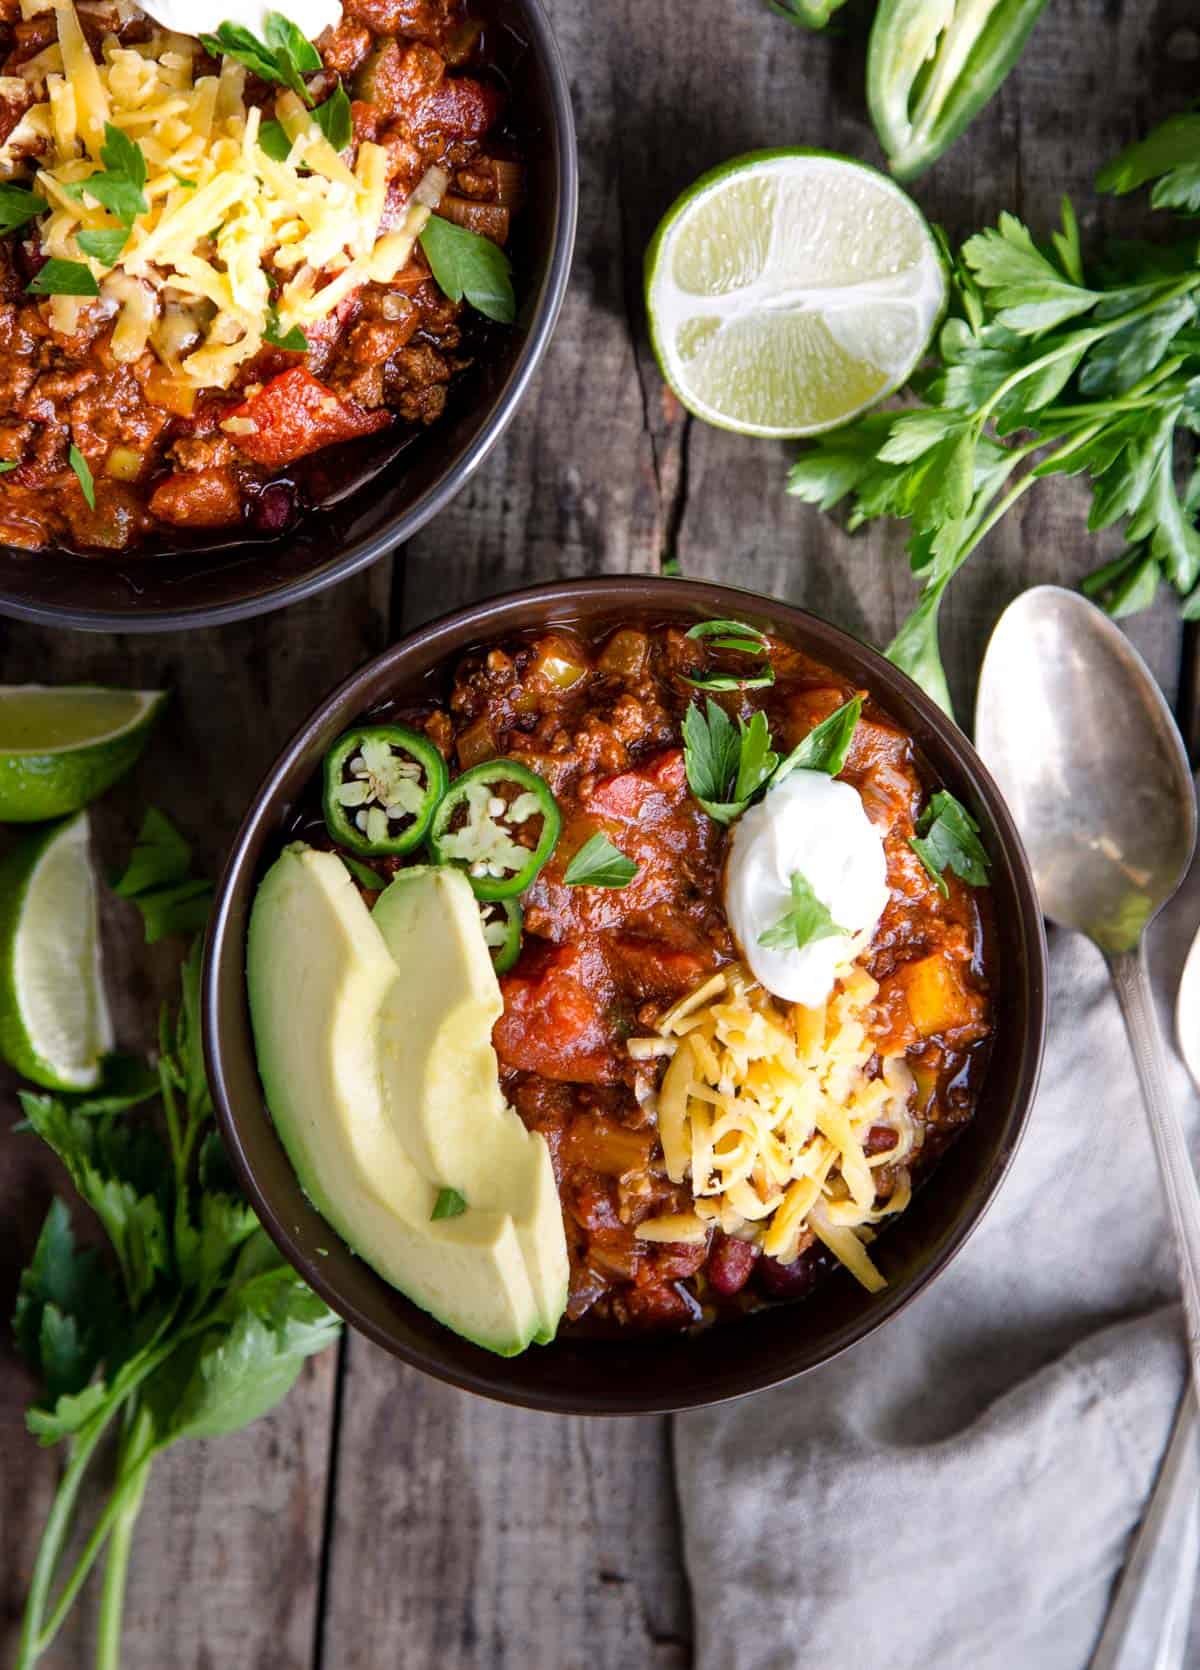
(228, 1545)
(459, 1534)
(476, 1535)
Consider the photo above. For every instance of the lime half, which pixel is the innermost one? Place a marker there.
(54, 1022)
(60, 748)
(789, 290)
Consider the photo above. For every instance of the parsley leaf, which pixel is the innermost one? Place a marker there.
(83, 474)
(948, 838)
(1169, 156)
(104, 245)
(284, 58)
(731, 681)
(599, 864)
(467, 264)
(335, 120)
(6, 464)
(734, 635)
(756, 763)
(273, 141)
(157, 879)
(805, 920)
(827, 745)
(208, 1326)
(449, 1204)
(66, 1303)
(712, 752)
(294, 340)
(1096, 365)
(118, 186)
(731, 634)
(726, 766)
(63, 278)
(18, 206)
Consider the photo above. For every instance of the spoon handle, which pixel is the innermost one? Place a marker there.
(1128, 969)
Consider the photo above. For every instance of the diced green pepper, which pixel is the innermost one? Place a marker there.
(382, 787)
(931, 67)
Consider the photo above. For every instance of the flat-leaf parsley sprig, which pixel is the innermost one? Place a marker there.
(193, 1328)
(1045, 366)
(729, 766)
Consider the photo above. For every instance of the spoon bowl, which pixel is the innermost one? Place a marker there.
(1084, 747)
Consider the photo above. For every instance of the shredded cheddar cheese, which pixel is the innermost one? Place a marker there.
(764, 1109)
(221, 214)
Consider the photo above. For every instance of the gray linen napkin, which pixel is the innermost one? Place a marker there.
(957, 1492)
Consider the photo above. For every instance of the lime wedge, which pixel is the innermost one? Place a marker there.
(54, 1021)
(789, 290)
(60, 748)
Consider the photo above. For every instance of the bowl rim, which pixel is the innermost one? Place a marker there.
(544, 317)
(473, 624)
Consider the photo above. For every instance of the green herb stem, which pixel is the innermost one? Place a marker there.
(1081, 340)
(53, 1537)
(132, 1467)
(116, 1570)
(137, 1454)
(34, 1639)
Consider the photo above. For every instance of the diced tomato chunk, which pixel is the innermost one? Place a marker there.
(625, 796)
(647, 968)
(294, 415)
(198, 499)
(557, 1019)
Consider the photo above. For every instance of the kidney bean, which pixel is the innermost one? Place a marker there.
(274, 508)
(730, 1264)
(786, 1281)
(879, 1139)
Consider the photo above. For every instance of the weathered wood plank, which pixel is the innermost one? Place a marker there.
(481, 1536)
(228, 1547)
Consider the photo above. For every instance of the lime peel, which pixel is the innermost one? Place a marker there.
(61, 747)
(55, 1026)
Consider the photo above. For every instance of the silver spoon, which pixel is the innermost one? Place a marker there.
(1085, 750)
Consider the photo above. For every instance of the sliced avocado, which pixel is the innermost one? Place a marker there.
(318, 972)
(441, 1085)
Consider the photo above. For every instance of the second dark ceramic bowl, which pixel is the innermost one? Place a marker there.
(634, 1375)
(371, 500)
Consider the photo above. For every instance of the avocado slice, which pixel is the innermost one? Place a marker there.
(441, 1085)
(318, 973)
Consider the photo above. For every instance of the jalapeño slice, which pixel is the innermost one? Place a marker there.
(502, 930)
(382, 786)
(499, 823)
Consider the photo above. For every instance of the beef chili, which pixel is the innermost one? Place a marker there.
(161, 378)
(612, 953)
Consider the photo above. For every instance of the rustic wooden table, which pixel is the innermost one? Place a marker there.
(378, 1517)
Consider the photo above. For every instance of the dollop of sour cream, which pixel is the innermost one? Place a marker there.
(205, 17)
(811, 823)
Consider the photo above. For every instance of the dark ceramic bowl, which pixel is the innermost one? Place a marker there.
(374, 494)
(634, 1375)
